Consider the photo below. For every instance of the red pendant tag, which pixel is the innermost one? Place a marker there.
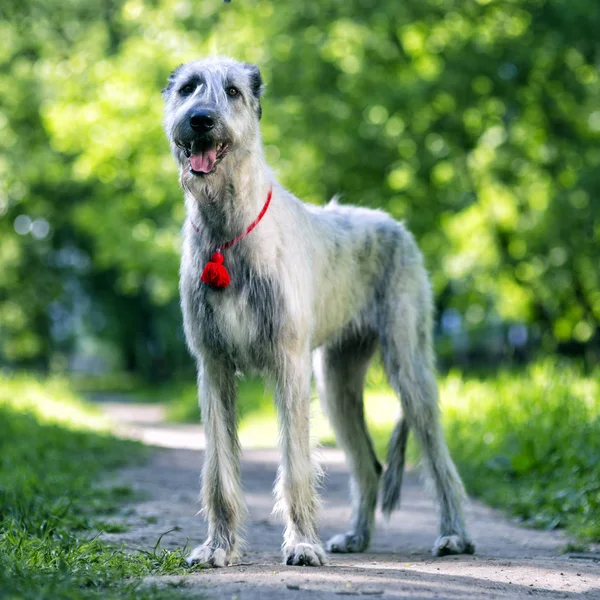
(215, 274)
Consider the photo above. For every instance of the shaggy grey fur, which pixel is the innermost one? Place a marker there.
(333, 282)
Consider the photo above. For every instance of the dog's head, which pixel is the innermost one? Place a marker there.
(212, 112)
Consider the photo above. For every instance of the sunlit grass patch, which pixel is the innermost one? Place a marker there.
(50, 401)
(530, 442)
(54, 449)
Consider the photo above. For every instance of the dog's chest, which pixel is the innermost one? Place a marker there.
(242, 322)
(236, 320)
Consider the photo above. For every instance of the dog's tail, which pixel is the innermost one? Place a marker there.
(392, 479)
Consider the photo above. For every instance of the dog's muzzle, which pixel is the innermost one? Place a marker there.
(201, 142)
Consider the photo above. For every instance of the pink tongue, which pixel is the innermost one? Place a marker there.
(204, 162)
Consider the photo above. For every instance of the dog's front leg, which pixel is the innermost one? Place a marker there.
(295, 487)
(223, 504)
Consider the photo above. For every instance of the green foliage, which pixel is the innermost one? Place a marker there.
(477, 122)
(50, 461)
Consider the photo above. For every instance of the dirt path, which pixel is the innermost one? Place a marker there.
(511, 562)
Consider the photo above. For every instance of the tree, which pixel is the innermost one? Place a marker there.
(477, 122)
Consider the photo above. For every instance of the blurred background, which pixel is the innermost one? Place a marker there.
(477, 122)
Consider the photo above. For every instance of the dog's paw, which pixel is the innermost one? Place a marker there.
(304, 554)
(452, 544)
(205, 555)
(347, 542)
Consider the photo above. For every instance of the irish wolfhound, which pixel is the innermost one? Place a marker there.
(335, 281)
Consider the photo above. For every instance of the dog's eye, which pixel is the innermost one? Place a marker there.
(187, 89)
(232, 91)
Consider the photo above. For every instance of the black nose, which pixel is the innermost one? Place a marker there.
(202, 121)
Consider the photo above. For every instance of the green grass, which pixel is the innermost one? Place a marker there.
(527, 441)
(530, 442)
(53, 452)
(110, 383)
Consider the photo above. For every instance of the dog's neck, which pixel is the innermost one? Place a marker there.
(223, 204)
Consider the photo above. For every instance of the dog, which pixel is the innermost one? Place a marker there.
(271, 285)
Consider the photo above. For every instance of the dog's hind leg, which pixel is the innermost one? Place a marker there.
(340, 370)
(295, 487)
(405, 333)
(222, 500)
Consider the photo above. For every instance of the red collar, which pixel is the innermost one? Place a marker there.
(215, 274)
(249, 228)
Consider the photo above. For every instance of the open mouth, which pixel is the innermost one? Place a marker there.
(205, 157)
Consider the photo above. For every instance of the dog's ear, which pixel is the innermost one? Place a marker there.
(256, 84)
(171, 80)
